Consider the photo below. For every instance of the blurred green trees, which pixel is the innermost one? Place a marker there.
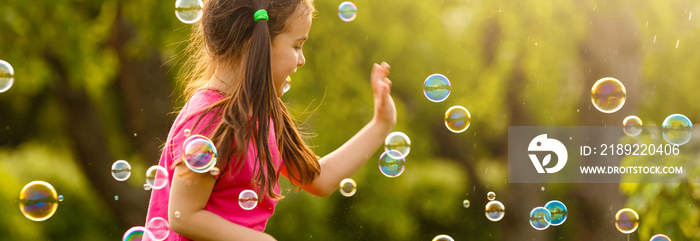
(95, 83)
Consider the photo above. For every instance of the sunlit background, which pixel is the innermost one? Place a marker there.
(95, 82)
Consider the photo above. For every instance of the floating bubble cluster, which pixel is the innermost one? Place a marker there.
(347, 11)
(391, 167)
(632, 125)
(443, 237)
(248, 199)
(38, 200)
(677, 129)
(188, 11)
(121, 170)
(626, 220)
(457, 119)
(436, 88)
(156, 177)
(399, 143)
(608, 95)
(348, 187)
(539, 217)
(7, 76)
(558, 212)
(495, 211)
(159, 227)
(199, 153)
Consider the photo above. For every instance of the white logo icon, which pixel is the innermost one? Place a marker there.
(542, 143)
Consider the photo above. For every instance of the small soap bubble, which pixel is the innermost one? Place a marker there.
(632, 125)
(199, 153)
(558, 212)
(539, 217)
(443, 237)
(7, 76)
(38, 201)
(116, 197)
(542, 188)
(121, 170)
(188, 11)
(466, 203)
(146, 187)
(660, 237)
(287, 84)
(156, 177)
(248, 199)
(159, 227)
(347, 11)
(187, 132)
(626, 220)
(608, 95)
(60, 198)
(391, 167)
(457, 119)
(495, 211)
(177, 214)
(677, 129)
(491, 196)
(348, 187)
(137, 233)
(215, 171)
(436, 88)
(399, 142)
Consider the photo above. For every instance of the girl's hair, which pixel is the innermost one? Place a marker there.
(227, 37)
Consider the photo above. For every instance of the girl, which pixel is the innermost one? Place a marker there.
(249, 49)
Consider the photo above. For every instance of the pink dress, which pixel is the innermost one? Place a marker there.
(224, 197)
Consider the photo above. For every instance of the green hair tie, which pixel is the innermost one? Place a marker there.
(260, 14)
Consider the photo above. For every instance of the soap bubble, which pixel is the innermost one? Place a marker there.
(466, 203)
(38, 201)
(7, 76)
(558, 212)
(199, 153)
(660, 237)
(121, 170)
(495, 211)
(626, 220)
(347, 11)
(348, 187)
(436, 88)
(608, 95)
(60, 198)
(399, 142)
(491, 196)
(137, 233)
(188, 11)
(391, 167)
(443, 237)
(159, 227)
(539, 217)
(677, 129)
(156, 177)
(248, 199)
(632, 125)
(457, 119)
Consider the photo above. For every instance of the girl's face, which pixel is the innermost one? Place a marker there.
(286, 51)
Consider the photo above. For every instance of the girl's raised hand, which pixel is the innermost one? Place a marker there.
(384, 107)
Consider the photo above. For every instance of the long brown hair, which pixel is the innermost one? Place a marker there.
(228, 36)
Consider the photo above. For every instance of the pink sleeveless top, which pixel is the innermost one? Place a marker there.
(224, 197)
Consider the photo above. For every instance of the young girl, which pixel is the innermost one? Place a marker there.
(249, 49)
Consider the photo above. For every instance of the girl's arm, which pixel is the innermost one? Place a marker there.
(348, 158)
(189, 194)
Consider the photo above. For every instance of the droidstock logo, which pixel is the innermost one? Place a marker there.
(540, 144)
